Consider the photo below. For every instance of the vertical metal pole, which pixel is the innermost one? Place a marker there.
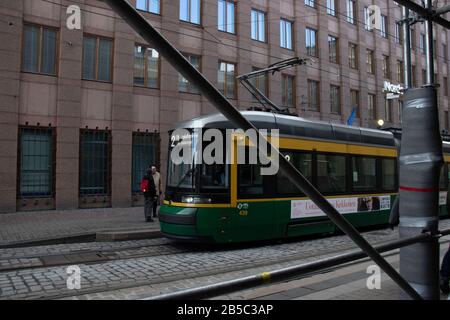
(429, 47)
(407, 49)
(420, 163)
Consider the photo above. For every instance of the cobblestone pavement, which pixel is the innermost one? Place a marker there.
(149, 276)
(31, 226)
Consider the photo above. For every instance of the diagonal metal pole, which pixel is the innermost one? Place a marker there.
(184, 67)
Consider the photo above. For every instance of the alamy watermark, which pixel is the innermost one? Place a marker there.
(214, 146)
(74, 279)
(374, 280)
(73, 21)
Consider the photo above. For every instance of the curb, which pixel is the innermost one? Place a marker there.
(97, 236)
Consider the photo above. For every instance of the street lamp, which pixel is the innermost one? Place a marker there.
(380, 123)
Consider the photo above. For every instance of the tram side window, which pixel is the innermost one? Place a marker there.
(388, 174)
(364, 173)
(331, 173)
(250, 179)
(303, 162)
(442, 181)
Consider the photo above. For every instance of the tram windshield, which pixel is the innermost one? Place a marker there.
(182, 175)
(192, 177)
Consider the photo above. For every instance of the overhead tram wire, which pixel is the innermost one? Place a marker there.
(377, 87)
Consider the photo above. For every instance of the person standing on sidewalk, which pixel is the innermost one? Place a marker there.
(445, 273)
(149, 190)
(157, 180)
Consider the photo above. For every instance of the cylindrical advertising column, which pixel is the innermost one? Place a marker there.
(420, 163)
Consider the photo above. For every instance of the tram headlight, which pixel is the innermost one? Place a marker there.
(188, 199)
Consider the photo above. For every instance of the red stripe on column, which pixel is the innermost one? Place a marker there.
(418, 189)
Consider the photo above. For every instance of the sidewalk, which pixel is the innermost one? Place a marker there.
(23, 227)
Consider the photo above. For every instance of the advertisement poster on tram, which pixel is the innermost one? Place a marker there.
(307, 208)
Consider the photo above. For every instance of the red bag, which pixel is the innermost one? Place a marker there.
(144, 185)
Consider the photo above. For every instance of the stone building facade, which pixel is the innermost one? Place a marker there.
(82, 112)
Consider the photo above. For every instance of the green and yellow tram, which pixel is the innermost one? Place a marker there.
(355, 168)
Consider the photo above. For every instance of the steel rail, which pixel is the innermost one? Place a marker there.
(226, 287)
(187, 70)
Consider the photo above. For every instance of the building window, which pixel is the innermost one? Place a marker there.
(400, 71)
(226, 16)
(331, 7)
(444, 52)
(386, 67)
(384, 30)
(152, 6)
(352, 56)
(95, 162)
(371, 106)
(335, 99)
(387, 110)
(36, 156)
(145, 152)
(260, 82)
(39, 49)
(190, 11)
(97, 58)
(424, 76)
(227, 79)
(333, 49)
(370, 62)
(413, 76)
(398, 33)
(288, 90)
(351, 9)
(354, 101)
(400, 111)
(412, 39)
(258, 27)
(183, 84)
(445, 86)
(286, 34)
(310, 3)
(146, 67)
(313, 95)
(311, 42)
(422, 40)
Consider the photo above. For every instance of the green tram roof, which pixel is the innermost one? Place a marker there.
(293, 126)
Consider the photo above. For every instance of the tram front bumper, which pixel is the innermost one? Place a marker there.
(185, 216)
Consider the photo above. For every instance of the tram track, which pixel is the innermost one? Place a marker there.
(154, 261)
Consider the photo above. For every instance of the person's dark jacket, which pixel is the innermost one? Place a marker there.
(151, 192)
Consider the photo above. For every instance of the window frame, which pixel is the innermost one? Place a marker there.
(108, 164)
(336, 49)
(39, 53)
(52, 131)
(147, 6)
(225, 86)
(284, 94)
(97, 52)
(308, 38)
(180, 77)
(309, 88)
(145, 85)
(200, 20)
(286, 22)
(257, 25)
(226, 16)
